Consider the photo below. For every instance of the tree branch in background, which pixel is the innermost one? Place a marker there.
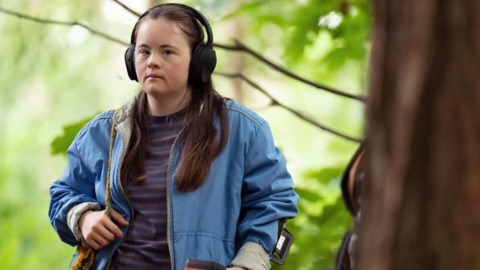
(276, 102)
(241, 47)
(95, 32)
(127, 8)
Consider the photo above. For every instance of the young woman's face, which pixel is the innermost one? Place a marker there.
(162, 58)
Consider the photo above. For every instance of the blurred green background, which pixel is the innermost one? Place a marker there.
(54, 77)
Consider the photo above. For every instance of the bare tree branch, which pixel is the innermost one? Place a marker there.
(127, 8)
(241, 47)
(295, 112)
(93, 31)
(238, 47)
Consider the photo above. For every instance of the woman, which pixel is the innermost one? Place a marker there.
(192, 175)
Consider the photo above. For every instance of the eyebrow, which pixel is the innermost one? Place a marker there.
(161, 46)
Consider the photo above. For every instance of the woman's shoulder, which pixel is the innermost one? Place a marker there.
(99, 122)
(100, 118)
(116, 116)
(239, 111)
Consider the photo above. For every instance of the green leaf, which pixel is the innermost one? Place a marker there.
(325, 176)
(61, 143)
(308, 195)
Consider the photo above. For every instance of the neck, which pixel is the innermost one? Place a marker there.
(161, 106)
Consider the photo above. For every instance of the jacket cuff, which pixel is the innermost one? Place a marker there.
(252, 256)
(74, 215)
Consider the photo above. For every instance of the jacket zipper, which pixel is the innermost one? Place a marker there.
(129, 202)
(169, 225)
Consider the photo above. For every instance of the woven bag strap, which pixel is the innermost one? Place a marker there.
(85, 257)
(108, 198)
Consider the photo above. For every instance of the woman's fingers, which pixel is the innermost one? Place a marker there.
(98, 230)
(104, 231)
(110, 226)
(118, 218)
(99, 236)
(101, 240)
(94, 240)
(93, 244)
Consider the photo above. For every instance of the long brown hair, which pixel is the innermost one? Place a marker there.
(201, 143)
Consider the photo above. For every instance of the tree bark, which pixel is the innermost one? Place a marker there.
(421, 200)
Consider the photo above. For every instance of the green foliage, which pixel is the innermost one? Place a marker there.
(321, 223)
(28, 239)
(47, 80)
(61, 143)
(300, 23)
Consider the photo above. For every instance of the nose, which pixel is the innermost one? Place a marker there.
(153, 62)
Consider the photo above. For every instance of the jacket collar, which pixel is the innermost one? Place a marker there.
(123, 120)
(124, 112)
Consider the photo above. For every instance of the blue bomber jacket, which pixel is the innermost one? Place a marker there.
(246, 192)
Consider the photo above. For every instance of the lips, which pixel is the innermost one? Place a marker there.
(153, 76)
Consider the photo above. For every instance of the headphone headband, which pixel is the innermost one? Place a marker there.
(199, 16)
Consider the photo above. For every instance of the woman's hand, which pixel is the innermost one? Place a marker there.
(98, 230)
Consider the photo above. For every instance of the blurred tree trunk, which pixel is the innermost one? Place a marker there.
(421, 200)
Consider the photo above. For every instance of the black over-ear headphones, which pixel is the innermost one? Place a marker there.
(203, 59)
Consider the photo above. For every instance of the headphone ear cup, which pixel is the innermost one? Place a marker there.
(130, 62)
(193, 71)
(209, 63)
(202, 64)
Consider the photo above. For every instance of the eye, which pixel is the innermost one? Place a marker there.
(167, 52)
(144, 52)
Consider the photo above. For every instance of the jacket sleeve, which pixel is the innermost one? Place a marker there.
(267, 193)
(76, 186)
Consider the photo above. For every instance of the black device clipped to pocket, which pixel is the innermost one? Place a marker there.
(203, 265)
(284, 243)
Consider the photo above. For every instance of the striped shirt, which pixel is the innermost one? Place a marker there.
(146, 245)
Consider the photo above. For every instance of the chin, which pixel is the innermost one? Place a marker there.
(154, 90)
